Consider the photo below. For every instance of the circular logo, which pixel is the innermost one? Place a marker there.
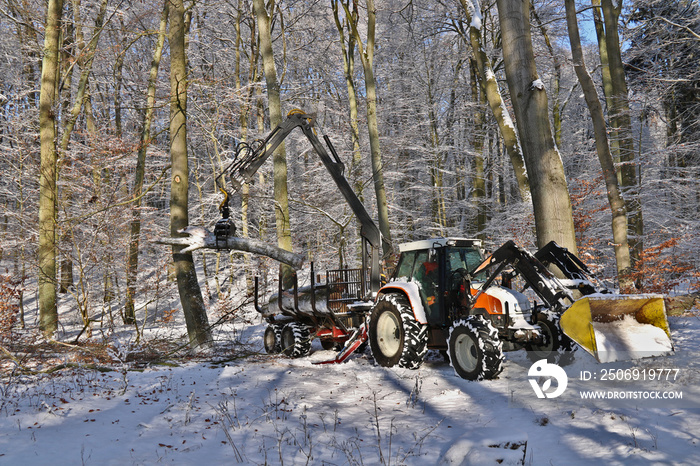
(541, 375)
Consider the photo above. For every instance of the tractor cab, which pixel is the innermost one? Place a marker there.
(440, 270)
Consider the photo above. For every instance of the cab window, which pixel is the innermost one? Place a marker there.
(405, 269)
(465, 258)
(426, 273)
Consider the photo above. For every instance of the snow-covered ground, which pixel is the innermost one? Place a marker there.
(274, 410)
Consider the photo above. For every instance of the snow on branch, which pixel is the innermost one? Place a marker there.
(474, 10)
(536, 84)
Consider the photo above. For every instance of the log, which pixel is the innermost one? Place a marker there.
(677, 305)
(303, 302)
(201, 238)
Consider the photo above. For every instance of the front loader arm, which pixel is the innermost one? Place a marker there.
(577, 275)
(535, 274)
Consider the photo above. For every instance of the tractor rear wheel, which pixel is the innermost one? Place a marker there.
(296, 340)
(395, 336)
(273, 339)
(475, 351)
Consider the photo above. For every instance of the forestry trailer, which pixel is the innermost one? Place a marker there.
(444, 294)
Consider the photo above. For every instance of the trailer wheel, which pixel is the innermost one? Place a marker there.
(396, 338)
(296, 340)
(475, 351)
(273, 339)
(557, 348)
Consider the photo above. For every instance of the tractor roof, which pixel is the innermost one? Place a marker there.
(439, 243)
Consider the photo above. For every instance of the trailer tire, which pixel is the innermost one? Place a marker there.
(559, 348)
(296, 340)
(475, 351)
(396, 338)
(272, 339)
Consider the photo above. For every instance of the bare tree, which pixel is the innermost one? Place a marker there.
(348, 48)
(48, 313)
(550, 196)
(137, 191)
(86, 55)
(279, 157)
(366, 51)
(188, 287)
(617, 204)
(492, 92)
(620, 117)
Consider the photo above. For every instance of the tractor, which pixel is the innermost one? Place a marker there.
(445, 293)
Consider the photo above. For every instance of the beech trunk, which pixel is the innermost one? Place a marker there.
(550, 195)
(190, 293)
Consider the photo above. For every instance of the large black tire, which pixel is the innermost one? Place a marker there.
(273, 339)
(296, 340)
(557, 348)
(396, 338)
(475, 351)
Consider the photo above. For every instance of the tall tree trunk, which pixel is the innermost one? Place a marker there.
(86, 55)
(71, 37)
(48, 313)
(557, 108)
(550, 195)
(617, 204)
(198, 329)
(607, 81)
(279, 157)
(253, 101)
(132, 257)
(367, 57)
(439, 208)
(245, 115)
(605, 73)
(436, 164)
(451, 123)
(493, 95)
(118, 84)
(622, 123)
(348, 47)
(479, 181)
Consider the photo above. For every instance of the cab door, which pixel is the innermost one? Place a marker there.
(427, 273)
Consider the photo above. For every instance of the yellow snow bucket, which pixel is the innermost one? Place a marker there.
(619, 327)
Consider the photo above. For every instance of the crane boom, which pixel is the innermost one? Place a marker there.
(244, 168)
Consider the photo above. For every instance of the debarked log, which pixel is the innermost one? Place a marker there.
(201, 238)
(346, 313)
(303, 303)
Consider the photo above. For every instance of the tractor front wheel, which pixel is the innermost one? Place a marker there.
(474, 348)
(557, 348)
(396, 338)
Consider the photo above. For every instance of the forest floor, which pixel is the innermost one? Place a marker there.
(113, 401)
